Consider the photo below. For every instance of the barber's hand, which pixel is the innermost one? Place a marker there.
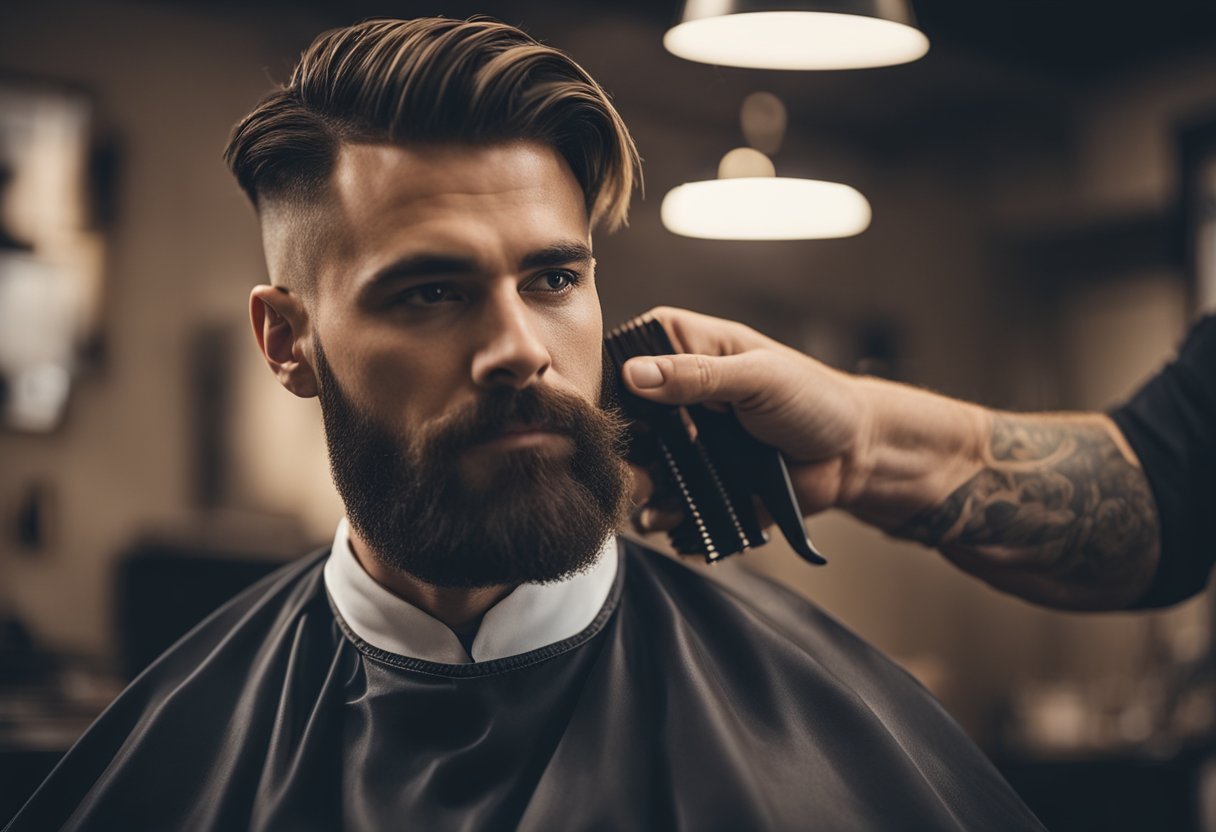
(810, 412)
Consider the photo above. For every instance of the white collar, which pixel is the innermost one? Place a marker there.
(532, 616)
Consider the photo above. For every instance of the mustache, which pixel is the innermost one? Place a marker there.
(504, 408)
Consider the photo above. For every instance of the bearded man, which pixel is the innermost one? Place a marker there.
(477, 649)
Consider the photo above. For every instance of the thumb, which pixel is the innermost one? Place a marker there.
(694, 379)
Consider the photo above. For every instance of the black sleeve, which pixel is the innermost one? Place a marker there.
(1171, 425)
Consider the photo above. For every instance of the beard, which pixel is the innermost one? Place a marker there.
(535, 517)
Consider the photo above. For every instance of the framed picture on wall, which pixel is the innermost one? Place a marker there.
(51, 252)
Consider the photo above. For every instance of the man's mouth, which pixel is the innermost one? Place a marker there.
(526, 427)
(518, 435)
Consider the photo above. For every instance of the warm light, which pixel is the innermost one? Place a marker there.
(745, 163)
(765, 208)
(796, 40)
(763, 118)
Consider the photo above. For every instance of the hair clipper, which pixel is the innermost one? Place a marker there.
(711, 462)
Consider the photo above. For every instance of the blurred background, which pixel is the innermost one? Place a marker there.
(1043, 187)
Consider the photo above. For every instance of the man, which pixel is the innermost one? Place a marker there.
(477, 650)
(1085, 511)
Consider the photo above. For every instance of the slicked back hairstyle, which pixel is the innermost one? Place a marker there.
(432, 80)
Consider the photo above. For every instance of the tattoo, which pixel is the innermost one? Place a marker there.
(1057, 498)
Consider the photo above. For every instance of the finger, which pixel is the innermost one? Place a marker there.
(643, 485)
(650, 519)
(692, 379)
(693, 332)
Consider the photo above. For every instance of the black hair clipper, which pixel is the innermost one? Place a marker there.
(715, 466)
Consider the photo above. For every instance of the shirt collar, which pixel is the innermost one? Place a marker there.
(530, 617)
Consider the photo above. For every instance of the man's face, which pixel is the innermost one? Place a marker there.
(457, 342)
(454, 271)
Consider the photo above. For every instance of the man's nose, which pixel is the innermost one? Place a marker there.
(512, 351)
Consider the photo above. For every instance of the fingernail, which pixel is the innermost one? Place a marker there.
(645, 373)
(635, 520)
(646, 519)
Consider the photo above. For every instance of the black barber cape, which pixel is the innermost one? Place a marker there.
(688, 703)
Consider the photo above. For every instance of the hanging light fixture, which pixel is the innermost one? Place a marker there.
(765, 208)
(797, 34)
(748, 201)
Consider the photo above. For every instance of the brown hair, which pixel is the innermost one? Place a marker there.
(433, 80)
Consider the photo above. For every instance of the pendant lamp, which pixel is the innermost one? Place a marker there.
(790, 34)
(765, 208)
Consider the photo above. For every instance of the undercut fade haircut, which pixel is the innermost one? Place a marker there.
(427, 81)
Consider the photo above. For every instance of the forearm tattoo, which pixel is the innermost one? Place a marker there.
(1056, 497)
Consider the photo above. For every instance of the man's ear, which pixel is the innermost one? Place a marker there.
(280, 325)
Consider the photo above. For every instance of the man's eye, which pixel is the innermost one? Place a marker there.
(556, 281)
(430, 294)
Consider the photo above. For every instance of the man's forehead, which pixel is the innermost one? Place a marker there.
(387, 201)
(376, 175)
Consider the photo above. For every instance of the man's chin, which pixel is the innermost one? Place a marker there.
(534, 524)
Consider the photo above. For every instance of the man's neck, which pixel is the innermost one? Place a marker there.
(457, 607)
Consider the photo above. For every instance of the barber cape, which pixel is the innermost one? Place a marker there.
(686, 703)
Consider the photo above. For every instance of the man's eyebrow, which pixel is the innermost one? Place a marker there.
(433, 264)
(557, 255)
(423, 265)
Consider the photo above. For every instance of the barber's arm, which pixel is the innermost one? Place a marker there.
(1052, 507)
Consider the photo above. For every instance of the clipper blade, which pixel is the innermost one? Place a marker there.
(716, 467)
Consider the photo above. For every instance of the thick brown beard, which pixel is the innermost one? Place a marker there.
(540, 517)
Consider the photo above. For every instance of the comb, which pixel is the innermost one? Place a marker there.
(716, 467)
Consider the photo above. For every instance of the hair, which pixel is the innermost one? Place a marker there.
(432, 80)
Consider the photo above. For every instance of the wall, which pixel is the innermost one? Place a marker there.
(184, 252)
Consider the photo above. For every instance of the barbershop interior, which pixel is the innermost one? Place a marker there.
(1018, 210)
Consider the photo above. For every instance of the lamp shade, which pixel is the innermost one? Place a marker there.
(765, 208)
(812, 34)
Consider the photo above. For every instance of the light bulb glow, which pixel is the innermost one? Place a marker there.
(765, 208)
(796, 40)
